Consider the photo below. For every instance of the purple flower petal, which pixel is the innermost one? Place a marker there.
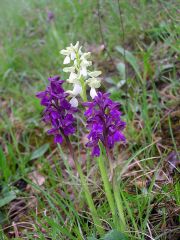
(52, 131)
(54, 78)
(50, 16)
(40, 94)
(54, 115)
(96, 151)
(58, 139)
(58, 111)
(103, 122)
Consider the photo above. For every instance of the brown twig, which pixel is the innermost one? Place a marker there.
(124, 51)
(101, 33)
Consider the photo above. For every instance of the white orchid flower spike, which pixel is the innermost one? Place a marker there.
(79, 74)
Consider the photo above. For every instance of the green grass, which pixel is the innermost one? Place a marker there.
(147, 208)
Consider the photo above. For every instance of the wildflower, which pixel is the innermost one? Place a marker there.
(79, 74)
(104, 123)
(70, 53)
(84, 63)
(50, 16)
(77, 90)
(58, 111)
(94, 82)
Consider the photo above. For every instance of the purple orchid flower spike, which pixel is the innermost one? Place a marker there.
(58, 111)
(104, 123)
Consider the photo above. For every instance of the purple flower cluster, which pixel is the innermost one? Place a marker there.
(58, 111)
(104, 122)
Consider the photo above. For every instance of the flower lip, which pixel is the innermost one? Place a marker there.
(93, 93)
(41, 94)
(55, 78)
(58, 138)
(74, 102)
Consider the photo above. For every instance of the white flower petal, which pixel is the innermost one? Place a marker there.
(85, 55)
(79, 51)
(83, 71)
(73, 55)
(77, 89)
(66, 60)
(72, 75)
(73, 78)
(64, 52)
(94, 82)
(94, 74)
(74, 102)
(85, 63)
(93, 93)
(75, 63)
(69, 69)
(76, 46)
(70, 92)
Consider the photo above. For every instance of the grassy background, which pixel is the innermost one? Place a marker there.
(29, 52)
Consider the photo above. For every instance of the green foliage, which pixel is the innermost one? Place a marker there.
(131, 59)
(147, 86)
(4, 168)
(115, 235)
(112, 235)
(7, 196)
(40, 151)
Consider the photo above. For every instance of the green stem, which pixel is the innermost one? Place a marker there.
(89, 199)
(107, 187)
(83, 84)
(88, 196)
(119, 205)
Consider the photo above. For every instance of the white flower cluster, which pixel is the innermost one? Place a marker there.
(79, 75)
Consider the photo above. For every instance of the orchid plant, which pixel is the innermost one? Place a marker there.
(102, 115)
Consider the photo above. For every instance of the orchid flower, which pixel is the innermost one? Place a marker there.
(79, 74)
(58, 111)
(104, 123)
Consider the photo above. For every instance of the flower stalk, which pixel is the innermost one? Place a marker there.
(89, 199)
(86, 191)
(107, 185)
(118, 200)
(83, 94)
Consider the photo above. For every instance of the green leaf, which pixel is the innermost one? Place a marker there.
(110, 80)
(115, 235)
(4, 169)
(7, 198)
(131, 59)
(163, 69)
(2, 218)
(40, 151)
(122, 70)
